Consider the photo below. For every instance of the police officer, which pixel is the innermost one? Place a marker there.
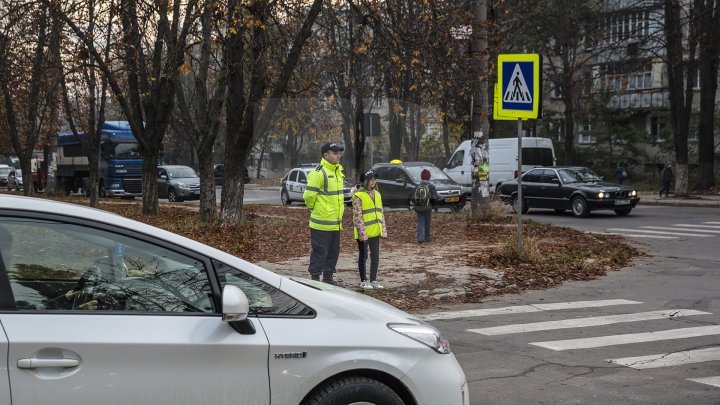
(324, 196)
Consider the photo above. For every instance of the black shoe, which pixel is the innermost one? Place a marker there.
(315, 277)
(329, 280)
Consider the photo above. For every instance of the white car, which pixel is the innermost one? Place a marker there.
(295, 181)
(96, 308)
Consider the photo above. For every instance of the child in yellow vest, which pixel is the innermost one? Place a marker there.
(369, 224)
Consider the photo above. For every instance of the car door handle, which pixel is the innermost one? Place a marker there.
(46, 363)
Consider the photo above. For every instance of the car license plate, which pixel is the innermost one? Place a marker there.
(196, 192)
(452, 199)
(622, 202)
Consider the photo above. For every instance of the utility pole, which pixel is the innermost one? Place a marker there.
(480, 125)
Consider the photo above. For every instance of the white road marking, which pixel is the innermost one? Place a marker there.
(681, 229)
(522, 309)
(669, 359)
(698, 226)
(630, 235)
(612, 340)
(586, 322)
(660, 233)
(714, 381)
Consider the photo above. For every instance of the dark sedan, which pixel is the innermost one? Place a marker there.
(578, 189)
(397, 183)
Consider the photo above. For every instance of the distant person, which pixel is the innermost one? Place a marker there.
(369, 220)
(666, 175)
(621, 173)
(324, 196)
(424, 198)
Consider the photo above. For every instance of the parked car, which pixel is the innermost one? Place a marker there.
(219, 171)
(295, 181)
(117, 307)
(4, 172)
(14, 180)
(578, 189)
(178, 183)
(397, 182)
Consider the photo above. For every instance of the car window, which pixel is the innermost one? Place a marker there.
(457, 159)
(182, 172)
(61, 266)
(549, 176)
(435, 173)
(578, 175)
(264, 299)
(302, 177)
(533, 176)
(395, 173)
(537, 156)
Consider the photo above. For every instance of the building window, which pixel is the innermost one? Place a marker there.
(585, 134)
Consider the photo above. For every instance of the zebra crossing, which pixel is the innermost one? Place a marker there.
(675, 231)
(573, 327)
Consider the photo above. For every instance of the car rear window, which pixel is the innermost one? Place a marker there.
(537, 156)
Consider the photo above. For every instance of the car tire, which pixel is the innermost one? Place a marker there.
(285, 197)
(353, 389)
(623, 212)
(173, 197)
(17, 187)
(579, 207)
(525, 206)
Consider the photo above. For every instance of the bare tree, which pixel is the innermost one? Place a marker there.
(253, 94)
(708, 21)
(150, 54)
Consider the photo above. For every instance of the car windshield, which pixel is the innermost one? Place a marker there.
(435, 173)
(578, 175)
(181, 172)
(124, 151)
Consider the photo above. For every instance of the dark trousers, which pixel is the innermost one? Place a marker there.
(423, 225)
(325, 252)
(374, 245)
(665, 189)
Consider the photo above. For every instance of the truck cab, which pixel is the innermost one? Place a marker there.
(120, 163)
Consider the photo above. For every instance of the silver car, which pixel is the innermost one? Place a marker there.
(97, 308)
(178, 183)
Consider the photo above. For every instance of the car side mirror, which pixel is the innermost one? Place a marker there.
(235, 309)
(163, 176)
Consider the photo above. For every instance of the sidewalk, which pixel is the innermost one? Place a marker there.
(693, 200)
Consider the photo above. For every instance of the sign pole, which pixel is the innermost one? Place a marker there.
(519, 182)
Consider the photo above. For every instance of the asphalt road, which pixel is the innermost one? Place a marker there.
(648, 334)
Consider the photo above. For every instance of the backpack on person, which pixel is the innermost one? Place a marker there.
(422, 196)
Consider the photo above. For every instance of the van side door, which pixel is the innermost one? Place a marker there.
(457, 170)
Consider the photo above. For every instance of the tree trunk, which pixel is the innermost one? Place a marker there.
(709, 41)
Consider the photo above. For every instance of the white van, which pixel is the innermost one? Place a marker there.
(503, 160)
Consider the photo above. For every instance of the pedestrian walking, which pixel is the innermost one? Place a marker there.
(324, 196)
(369, 220)
(621, 173)
(425, 197)
(666, 175)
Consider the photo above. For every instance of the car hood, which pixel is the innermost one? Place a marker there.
(341, 302)
(599, 186)
(445, 185)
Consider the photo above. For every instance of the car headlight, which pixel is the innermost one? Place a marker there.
(601, 195)
(424, 333)
(183, 186)
(633, 193)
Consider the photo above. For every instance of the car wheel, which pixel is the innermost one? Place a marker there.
(17, 187)
(285, 197)
(623, 211)
(173, 197)
(351, 390)
(559, 210)
(579, 207)
(515, 206)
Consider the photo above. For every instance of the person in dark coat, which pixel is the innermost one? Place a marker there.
(666, 175)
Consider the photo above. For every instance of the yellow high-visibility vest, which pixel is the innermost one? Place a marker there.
(372, 214)
(324, 196)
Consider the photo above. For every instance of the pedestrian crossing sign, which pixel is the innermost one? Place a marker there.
(519, 80)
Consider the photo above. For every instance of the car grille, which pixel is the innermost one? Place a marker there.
(133, 186)
(622, 194)
(448, 193)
